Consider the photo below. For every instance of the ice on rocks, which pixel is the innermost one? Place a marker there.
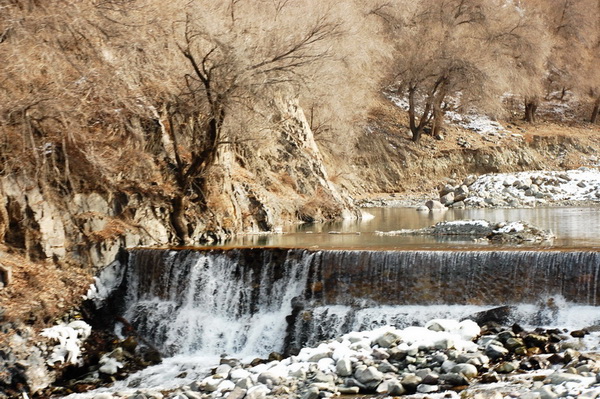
(70, 338)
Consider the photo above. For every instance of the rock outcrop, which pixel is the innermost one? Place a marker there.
(504, 232)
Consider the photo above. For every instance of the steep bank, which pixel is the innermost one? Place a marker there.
(387, 161)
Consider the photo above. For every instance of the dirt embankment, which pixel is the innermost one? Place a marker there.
(389, 162)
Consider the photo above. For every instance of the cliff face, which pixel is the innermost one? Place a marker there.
(249, 189)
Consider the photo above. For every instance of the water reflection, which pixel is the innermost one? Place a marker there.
(573, 227)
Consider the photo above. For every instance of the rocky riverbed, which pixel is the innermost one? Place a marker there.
(524, 189)
(443, 359)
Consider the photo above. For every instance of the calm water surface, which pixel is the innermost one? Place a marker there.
(574, 228)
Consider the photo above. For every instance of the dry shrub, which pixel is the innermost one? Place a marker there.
(318, 207)
(287, 180)
(112, 230)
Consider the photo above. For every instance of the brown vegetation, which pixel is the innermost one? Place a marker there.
(143, 97)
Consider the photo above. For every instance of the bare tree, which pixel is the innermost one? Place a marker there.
(455, 59)
(144, 96)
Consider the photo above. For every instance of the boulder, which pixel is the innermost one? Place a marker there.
(545, 392)
(387, 367)
(343, 367)
(448, 188)
(410, 382)
(424, 388)
(434, 206)
(466, 369)
(461, 193)
(500, 315)
(269, 378)
(453, 379)
(387, 339)
(368, 375)
(447, 199)
(244, 383)
(496, 351)
(237, 393)
(259, 392)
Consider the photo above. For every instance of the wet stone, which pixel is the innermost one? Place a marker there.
(453, 379)
(490, 377)
(496, 351)
(410, 382)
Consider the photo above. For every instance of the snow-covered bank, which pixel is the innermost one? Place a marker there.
(533, 188)
(437, 360)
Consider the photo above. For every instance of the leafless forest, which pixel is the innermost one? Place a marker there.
(142, 94)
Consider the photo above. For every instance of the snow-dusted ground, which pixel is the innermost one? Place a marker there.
(364, 359)
(532, 188)
(473, 121)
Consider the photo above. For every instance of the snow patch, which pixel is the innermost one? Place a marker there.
(513, 227)
(70, 337)
(108, 280)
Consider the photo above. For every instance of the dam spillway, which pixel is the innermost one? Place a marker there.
(258, 300)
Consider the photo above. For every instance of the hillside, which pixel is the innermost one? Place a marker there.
(142, 123)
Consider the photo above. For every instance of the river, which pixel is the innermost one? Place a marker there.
(574, 227)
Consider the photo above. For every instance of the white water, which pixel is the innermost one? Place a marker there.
(213, 308)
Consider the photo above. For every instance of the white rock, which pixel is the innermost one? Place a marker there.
(226, 386)
(257, 392)
(344, 367)
(223, 370)
(424, 388)
(238, 373)
(210, 384)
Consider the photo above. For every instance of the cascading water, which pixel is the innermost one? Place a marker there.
(255, 301)
(214, 303)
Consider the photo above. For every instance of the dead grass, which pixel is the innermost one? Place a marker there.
(41, 292)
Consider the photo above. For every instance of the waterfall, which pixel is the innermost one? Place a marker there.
(254, 301)
(213, 302)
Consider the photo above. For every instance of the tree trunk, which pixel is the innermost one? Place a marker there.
(178, 220)
(438, 113)
(531, 106)
(438, 122)
(596, 110)
(417, 129)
